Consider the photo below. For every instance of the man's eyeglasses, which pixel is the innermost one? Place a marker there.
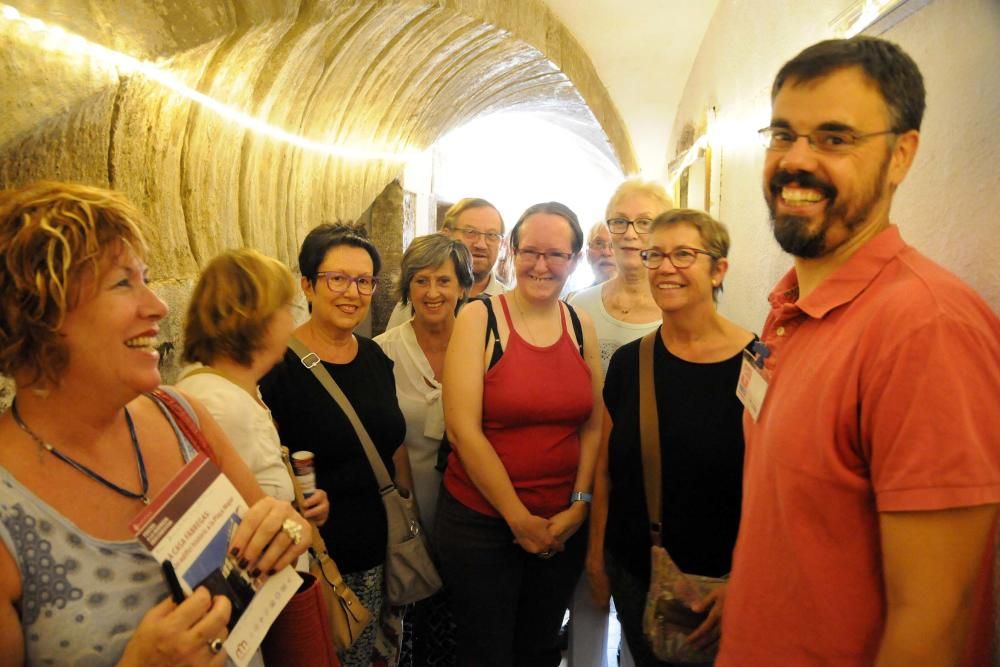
(341, 282)
(620, 225)
(552, 257)
(472, 235)
(782, 139)
(600, 246)
(681, 258)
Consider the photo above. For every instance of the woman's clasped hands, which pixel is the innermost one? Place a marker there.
(547, 537)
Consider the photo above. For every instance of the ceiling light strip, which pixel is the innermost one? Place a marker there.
(57, 39)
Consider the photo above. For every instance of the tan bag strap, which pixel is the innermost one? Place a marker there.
(312, 361)
(649, 436)
(330, 569)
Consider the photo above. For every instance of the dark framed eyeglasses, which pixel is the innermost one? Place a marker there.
(682, 257)
(781, 139)
(341, 282)
(552, 257)
(472, 235)
(620, 225)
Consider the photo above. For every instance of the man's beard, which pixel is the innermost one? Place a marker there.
(792, 232)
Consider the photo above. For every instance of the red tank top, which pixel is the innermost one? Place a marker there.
(535, 399)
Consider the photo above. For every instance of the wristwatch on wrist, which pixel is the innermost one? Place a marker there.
(580, 496)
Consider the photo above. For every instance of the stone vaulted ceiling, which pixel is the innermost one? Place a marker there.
(389, 75)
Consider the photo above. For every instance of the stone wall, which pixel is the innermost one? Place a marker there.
(382, 74)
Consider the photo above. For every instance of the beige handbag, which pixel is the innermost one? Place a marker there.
(667, 619)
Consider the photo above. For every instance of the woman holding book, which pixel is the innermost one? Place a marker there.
(85, 447)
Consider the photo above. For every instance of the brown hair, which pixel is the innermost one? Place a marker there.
(232, 305)
(50, 235)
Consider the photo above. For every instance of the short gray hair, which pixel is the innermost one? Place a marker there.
(430, 252)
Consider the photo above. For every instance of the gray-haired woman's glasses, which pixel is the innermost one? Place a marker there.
(681, 258)
(341, 282)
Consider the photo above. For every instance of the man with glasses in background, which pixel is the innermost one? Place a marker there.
(872, 470)
(476, 223)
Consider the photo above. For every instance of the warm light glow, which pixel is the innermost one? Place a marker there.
(862, 14)
(689, 157)
(56, 39)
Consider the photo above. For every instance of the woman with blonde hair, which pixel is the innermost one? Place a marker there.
(86, 446)
(237, 327)
(622, 308)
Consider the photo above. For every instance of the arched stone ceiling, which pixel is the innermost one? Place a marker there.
(392, 75)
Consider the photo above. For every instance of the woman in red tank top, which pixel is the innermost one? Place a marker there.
(522, 421)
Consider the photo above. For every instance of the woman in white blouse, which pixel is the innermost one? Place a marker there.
(237, 327)
(436, 275)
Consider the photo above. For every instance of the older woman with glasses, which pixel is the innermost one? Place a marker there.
(623, 308)
(339, 268)
(697, 355)
(521, 417)
(478, 225)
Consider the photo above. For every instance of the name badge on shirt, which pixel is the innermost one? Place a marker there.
(752, 386)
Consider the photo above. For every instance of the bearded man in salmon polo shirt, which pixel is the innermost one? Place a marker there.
(872, 471)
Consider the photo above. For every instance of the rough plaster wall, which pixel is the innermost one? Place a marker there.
(947, 205)
(391, 74)
(396, 75)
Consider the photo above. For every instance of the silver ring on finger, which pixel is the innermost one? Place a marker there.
(215, 646)
(546, 554)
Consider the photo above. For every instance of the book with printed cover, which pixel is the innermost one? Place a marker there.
(191, 523)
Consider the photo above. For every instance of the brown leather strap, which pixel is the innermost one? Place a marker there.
(649, 436)
(330, 570)
(183, 420)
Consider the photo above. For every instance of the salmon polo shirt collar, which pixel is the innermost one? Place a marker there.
(840, 287)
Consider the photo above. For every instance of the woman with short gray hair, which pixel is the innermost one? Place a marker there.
(436, 278)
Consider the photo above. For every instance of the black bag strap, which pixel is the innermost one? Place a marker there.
(577, 327)
(491, 329)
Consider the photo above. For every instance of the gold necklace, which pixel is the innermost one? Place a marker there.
(517, 302)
